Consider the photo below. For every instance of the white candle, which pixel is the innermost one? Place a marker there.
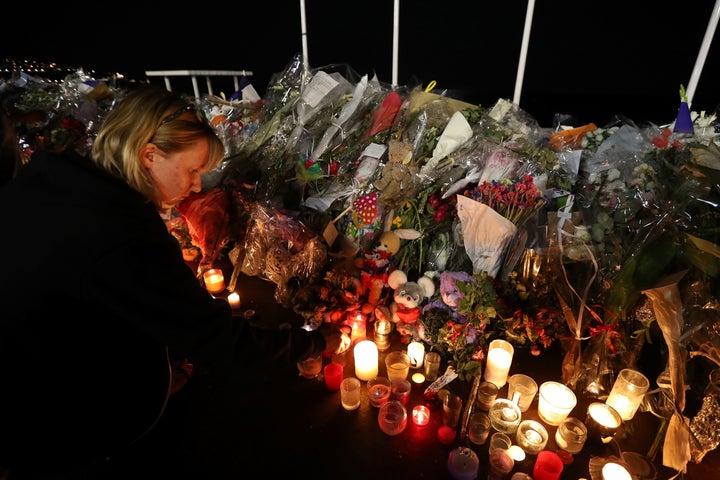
(628, 392)
(555, 402)
(234, 300)
(416, 352)
(615, 471)
(499, 358)
(366, 360)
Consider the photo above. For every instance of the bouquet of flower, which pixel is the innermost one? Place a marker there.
(490, 214)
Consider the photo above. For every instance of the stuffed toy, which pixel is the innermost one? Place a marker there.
(450, 294)
(376, 265)
(408, 298)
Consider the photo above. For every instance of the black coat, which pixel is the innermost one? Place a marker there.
(93, 293)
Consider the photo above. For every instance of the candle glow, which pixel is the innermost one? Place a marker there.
(416, 352)
(234, 300)
(555, 402)
(366, 360)
(615, 471)
(214, 280)
(499, 358)
(421, 415)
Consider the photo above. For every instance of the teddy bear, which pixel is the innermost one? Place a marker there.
(408, 298)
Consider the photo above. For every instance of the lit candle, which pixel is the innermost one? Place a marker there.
(499, 358)
(615, 471)
(214, 280)
(366, 360)
(421, 415)
(627, 392)
(602, 422)
(516, 453)
(418, 377)
(358, 324)
(234, 300)
(416, 352)
(555, 402)
(531, 436)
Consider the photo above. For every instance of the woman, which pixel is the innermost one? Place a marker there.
(96, 295)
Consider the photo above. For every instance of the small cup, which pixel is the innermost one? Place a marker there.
(392, 417)
(421, 415)
(214, 280)
(333, 374)
(478, 427)
(311, 366)
(452, 407)
(378, 389)
(571, 435)
(487, 393)
(505, 416)
(548, 466)
(531, 436)
(400, 391)
(522, 390)
(350, 393)
(432, 366)
(398, 365)
(500, 462)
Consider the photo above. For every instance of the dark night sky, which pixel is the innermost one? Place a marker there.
(589, 59)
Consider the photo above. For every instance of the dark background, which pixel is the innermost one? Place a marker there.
(592, 60)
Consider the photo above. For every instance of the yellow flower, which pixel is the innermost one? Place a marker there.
(397, 222)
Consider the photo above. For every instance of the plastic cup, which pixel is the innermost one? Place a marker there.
(350, 393)
(398, 365)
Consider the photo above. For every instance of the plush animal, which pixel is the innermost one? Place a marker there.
(408, 298)
(376, 265)
(450, 294)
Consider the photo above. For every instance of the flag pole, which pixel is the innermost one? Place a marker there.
(523, 51)
(702, 54)
(303, 27)
(396, 41)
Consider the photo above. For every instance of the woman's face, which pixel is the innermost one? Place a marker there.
(177, 174)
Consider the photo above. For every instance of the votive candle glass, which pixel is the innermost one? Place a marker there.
(366, 360)
(499, 358)
(555, 402)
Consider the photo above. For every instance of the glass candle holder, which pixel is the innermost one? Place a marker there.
(555, 402)
(486, 395)
(499, 358)
(392, 417)
(571, 435)
(357, 321)
(214, 280)
(523, 388)
(421, 415)
(627, 392)
(378, 390)
(505, 415)
(602, 422)
(383, 328)
(531, 436)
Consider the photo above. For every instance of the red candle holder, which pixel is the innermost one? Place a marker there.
(421, 415)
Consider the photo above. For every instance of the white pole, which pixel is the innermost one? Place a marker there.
(396, 40)
(306, 60)
(523, 51)
(700, 62)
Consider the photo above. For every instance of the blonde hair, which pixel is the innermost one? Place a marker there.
(150, 114)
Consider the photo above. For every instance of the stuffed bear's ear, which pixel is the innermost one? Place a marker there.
(427, 285)
(406, 233)
(397, 278)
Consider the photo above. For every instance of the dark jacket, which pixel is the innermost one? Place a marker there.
(94, 292)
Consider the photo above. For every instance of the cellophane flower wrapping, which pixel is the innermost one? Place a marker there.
(486, 234)
(279, 248)
(668, 309)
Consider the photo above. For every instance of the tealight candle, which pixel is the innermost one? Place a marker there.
(499, 358)
(627, 392)
(366, 360)
(418, 377)
(416, 352)
(615, 471)
(234, 300)
(555, 402)
(214, 280)
(531, 436)
(421, 415)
